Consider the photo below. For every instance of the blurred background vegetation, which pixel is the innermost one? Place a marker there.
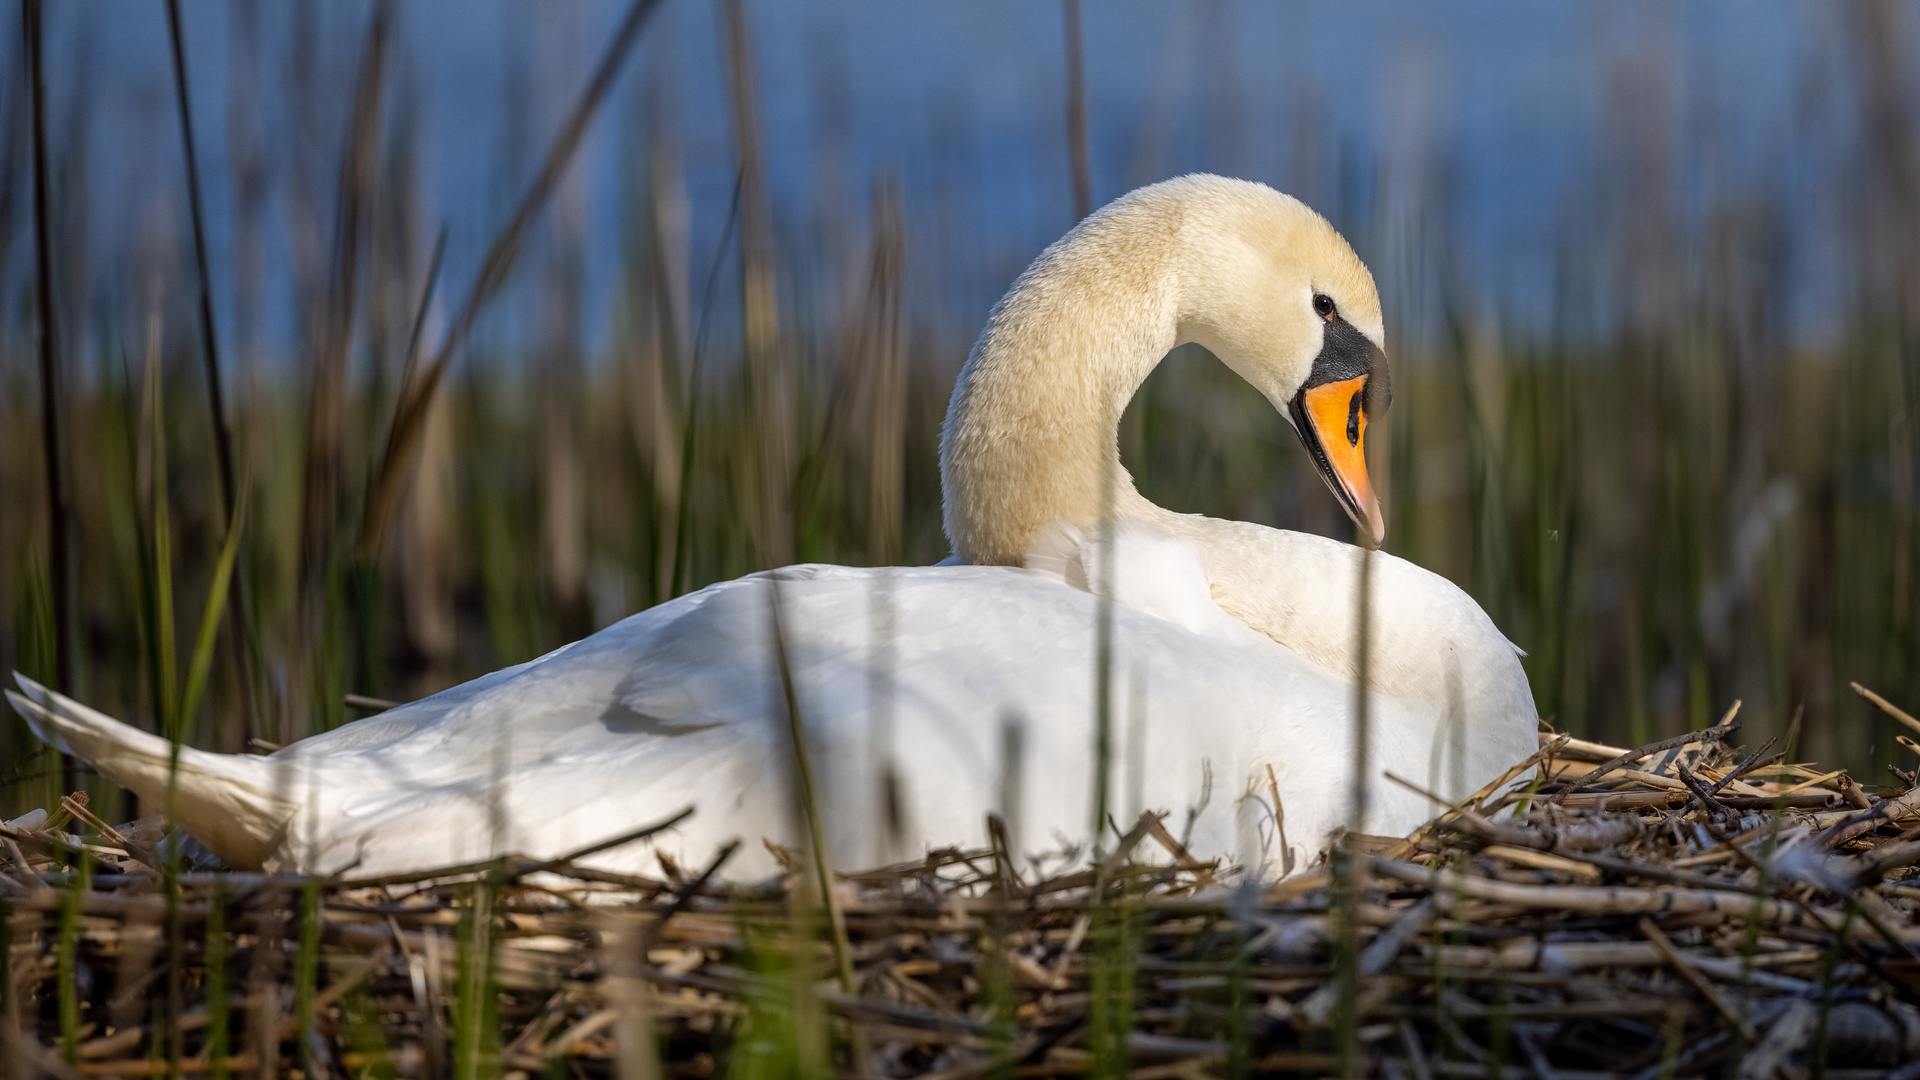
(1651, 273)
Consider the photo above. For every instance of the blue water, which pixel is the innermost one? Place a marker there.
(1462, 145)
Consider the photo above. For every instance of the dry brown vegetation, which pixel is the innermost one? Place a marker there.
(1682, 909)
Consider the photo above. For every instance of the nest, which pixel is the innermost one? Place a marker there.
(1683, 909)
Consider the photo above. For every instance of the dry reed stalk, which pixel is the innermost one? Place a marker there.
(426, 529)
(247, 162)
(397, 459)
(1574, 836)
(655, 412)
(769, 379)
(683, 566)
(1718, 731)
(925, 938)
(1103, 662)
(52, 377)
(624, 988)
(806, 794)
(881, 707)
(1887, 707)
(1013, 769)
(326, 403)
(562, 501)
(1348, 875)
(863, 422)
(1672, 955)
(210, 345)
(249, 186)
(886, 452)
(1077, 112)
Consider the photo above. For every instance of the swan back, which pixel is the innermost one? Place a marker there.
(1141, 566)
(1430, 642)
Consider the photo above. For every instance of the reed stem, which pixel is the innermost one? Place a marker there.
(210, 342)
(809, 798)
(60, 552)
(770, 384)
(410, 411)
(1349, 866)
(1077, 113)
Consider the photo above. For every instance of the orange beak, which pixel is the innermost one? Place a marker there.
(1332, 420)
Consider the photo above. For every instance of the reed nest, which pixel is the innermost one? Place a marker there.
(1682, 909)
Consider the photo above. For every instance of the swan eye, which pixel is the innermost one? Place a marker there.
(1323, 306)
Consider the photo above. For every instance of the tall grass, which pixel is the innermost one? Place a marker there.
(60, 588)
(1657, 489)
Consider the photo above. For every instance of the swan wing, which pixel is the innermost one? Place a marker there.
(930, 697)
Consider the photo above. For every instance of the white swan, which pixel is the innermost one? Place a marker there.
(932, 696)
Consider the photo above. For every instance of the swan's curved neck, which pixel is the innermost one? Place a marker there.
(1032, 431)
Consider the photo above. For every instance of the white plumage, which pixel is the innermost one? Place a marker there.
(972, 687)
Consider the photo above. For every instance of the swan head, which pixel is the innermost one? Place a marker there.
(1264, 283)
(1279, 296)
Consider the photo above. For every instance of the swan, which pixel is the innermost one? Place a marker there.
(933, 696)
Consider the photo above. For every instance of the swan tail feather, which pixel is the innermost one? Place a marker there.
(226, 801)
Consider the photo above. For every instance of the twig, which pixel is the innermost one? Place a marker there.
(1864, 821)
(1158, 830)
(20, 860)
(1699, 981)
(1629, 868)
(514, 869)
(1318, 1008)
(134, 849)
(595, 848)
(1596, 900)
(686, 894)
(1718, 731)
(362, 701)
(1886, 706)
(1591, 835)
(1140, 831)
(1747, 763)
(1478, 798)
(1784, 1036)
(1701, 796)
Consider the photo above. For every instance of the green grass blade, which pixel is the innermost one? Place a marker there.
(166, 676)
(476, 1053)
(210, 619)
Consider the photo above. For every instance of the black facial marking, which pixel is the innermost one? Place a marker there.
(1346, 353)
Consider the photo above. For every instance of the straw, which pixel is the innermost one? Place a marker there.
(1538, 940)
